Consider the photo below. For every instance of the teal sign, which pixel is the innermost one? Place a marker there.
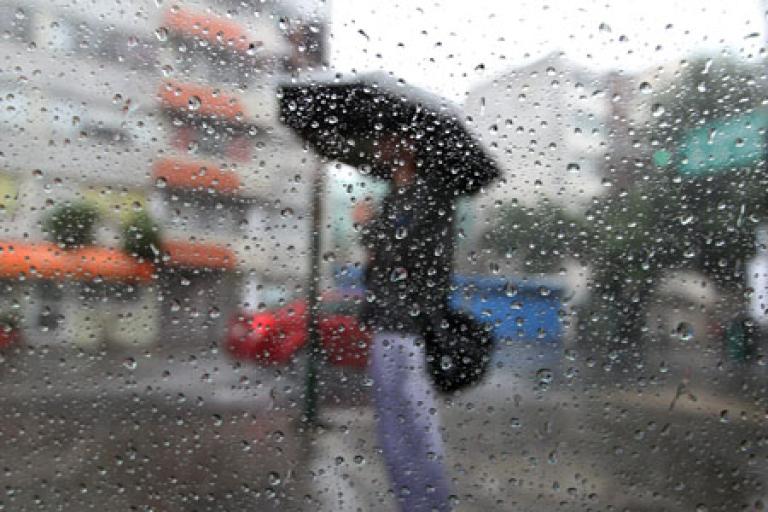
(724, 144)
(662, 158)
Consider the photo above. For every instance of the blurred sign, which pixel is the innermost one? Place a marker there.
(662, 158)
(724, 144)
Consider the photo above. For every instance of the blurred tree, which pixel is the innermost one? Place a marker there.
(706, 89)
(71, 225)
(715, 213)
(664, 220)
(542, 237)
(141, 236)
(629, 248)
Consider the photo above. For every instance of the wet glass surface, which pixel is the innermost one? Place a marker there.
(303, 255)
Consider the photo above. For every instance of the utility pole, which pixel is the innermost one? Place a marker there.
(313, 302)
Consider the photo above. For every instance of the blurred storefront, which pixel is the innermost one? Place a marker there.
(167, 109)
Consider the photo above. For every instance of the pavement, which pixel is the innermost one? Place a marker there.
(190, 429)
(511, 448)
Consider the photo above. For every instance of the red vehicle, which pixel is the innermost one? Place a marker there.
(275, 336)
(10, 333)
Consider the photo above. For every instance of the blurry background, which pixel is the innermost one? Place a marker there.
(152, 206)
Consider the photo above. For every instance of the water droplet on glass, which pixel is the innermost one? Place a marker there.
(646, 88)
(194, 103)
(657, 110)
(398, 274)
(161, 34)
(573, 167)
(130, 363)
(684, 331)
(544, 377)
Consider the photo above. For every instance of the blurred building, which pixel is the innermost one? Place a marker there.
(546, 123)
(167, 108)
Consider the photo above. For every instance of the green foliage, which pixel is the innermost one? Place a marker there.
(541, 237)
(663, 221)
(711, 219)
(668, 221)
(141, 236)
(71, 225)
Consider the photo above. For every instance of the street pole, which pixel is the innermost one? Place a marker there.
(313, 303)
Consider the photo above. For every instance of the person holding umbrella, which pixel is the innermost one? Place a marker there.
(421, 145)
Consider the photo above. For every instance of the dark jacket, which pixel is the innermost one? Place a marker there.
(411, 246)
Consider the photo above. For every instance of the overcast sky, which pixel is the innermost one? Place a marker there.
(448, 45)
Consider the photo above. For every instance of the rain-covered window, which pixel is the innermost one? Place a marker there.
(349, 255)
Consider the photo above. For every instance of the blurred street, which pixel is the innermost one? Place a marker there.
(196, 431)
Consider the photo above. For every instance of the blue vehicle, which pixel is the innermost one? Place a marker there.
(523, 313)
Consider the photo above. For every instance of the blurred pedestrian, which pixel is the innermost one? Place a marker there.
(430, 158)
(410, 253)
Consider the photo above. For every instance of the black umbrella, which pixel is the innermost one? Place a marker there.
(344, 119)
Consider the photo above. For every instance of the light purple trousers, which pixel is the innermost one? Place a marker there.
(408, 423)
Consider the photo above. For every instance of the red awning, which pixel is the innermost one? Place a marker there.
(217, 30)
(48, 261)
(196, 175)
(182, 253)
(201, 99)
